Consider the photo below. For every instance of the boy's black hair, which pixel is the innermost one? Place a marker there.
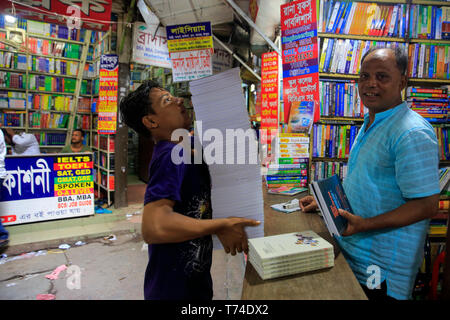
(401, 58)
(81, 130)
(137, 105)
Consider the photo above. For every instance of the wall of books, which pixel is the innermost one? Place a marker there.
(39, 71)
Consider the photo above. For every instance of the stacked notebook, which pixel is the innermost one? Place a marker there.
(290, 253)
(220, 109)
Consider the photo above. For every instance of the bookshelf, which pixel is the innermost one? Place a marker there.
(54, 88)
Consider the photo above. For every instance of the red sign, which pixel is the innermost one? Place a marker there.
(300, 56)
(94, 14)
(269, 95)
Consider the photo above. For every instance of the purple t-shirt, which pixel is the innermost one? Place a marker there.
(179, 271)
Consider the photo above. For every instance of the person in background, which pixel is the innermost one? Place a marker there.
(21, 143)
(76, 143)
(177, 218)
(4, 235)
(392, 182)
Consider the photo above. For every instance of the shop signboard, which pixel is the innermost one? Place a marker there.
(89, 14)
(107, 95)
(300, 51)
(47, 187)
(150, 48)
(269, 95)
(191, 50)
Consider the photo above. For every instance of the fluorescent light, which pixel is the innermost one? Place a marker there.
(10, 19)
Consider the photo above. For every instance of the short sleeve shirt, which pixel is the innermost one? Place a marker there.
(396, 159)
(179, 271)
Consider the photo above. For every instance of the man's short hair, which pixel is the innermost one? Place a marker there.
(81, 131)
(137, 105)
(401, 58)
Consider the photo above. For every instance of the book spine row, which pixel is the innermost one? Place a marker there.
(344, 55)
(13, 60)
(54, 48)
(51, 139)
(51, 65)
(326, 169)
(53, 84)
(361, 18)
(428, 61)
(46, 102)
(340, 99)
(48, 121)
(442, 134)
(12, 119)
(12, 80)
(432, 104)
(429, 22)
(333, 141)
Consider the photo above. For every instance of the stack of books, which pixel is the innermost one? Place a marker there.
(287, 176)
(290, 253)
(432, 104)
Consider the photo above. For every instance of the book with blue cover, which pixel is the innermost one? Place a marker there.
(330, 196)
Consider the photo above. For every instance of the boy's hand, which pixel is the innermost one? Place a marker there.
(308, 204)
(233, 236)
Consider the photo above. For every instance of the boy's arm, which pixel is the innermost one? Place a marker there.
(160, 224)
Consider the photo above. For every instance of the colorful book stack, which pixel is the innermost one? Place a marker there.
(13, 100)
(344, 55)
(48, 120)
(360, 18)
(82, 121)
(429, 22)
(51, 139)
(333, 141)
(444, 181)
(12, 80)
(50, 102)
(325, 169)
(12, 119)
(432, 104)
(287, 176)
(13, 60)
(428, 61)
(340, 98)
(49, 83)
(290, 253)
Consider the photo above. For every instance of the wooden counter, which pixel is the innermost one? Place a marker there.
(336, 283)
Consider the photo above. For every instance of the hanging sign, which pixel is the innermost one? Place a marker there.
(47, 187)
(191, 49)
(300, 64)
(107, 95)
(150, 48)
(269, 95)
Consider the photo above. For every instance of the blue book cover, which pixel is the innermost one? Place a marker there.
(331, 43)
(349, 56)
(341, 99)
(315, 141)
(330, 196)
(340, 17)
(433, 23)
(399, 12)
(411, 20)
(416, 59)
(330, 11)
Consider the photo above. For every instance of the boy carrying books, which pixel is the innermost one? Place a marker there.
(177, 219)
(392, 182)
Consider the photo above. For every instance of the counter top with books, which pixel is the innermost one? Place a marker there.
(334, 283)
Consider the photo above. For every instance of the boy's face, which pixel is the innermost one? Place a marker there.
(380, 82)
(170, 113)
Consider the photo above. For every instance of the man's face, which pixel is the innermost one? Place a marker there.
(170, 112)
(380, 82)
(77, 137)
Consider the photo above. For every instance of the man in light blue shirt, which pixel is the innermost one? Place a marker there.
(392, 182)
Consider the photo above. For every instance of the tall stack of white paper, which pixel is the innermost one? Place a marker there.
(229, 148)
(290, 253)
